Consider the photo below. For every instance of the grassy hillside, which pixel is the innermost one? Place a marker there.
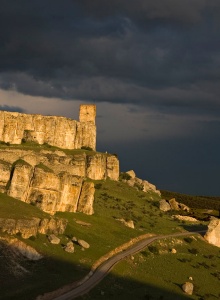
(113, 200)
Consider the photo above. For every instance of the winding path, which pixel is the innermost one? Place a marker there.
(95, 277)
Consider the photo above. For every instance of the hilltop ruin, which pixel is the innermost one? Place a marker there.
(61, 132)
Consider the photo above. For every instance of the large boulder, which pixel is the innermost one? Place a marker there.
(69, 247)
(53, 239)
(131, 173)
(128, 223)
(213, 233)
(164, 205)
(83, 244)
(188, 288)
(174, 204)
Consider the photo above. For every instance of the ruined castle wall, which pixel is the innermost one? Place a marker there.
(56, 131)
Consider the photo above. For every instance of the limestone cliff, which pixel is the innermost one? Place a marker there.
(56, 131)
(55, 181)
(32, 226)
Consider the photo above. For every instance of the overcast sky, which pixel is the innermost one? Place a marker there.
(152, 68)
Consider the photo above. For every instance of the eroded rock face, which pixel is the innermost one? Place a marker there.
(112, 170)
(164, 205)
(20, 181)
(174, 204)
(52, 180)
(5, 171)
(86, 199)
(213, 233)
(55, 181)
(30, 227)
(57, 131)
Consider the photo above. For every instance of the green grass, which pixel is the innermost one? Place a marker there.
(16, 209)
(160, 274)
(112, 200)
(38, 148)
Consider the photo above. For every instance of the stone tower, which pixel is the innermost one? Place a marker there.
(87, 113)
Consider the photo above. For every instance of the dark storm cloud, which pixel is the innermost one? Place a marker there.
(11, 108)
(154, 53)
(144, 10)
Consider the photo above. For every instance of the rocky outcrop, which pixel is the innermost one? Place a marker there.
(86, 199)
(55, 181)
(32, 226)
(187, 287)
(96, 166)
(83, 244)
(5, 172)
(62, 132)
(53, 239)
(128, 223)
(142, 185)
(213, 233)
(164, 205)
(172, 204)
(185, 218)
(69, 247)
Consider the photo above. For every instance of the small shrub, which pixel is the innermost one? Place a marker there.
(188, 240)
(153, 249)
(124, 176)
(193, 251)
(98, 186)
(86, 148)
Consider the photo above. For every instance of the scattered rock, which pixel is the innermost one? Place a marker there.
(185, 218)
(212, 235)
(139, 184)
(174, 204)
(173, 251)
(164, 205)
(128, 223)
(131, 173)
(53, 239)
(74, 239)
(84, 244)
(83, 223)
(190, 278)
(187, 287)
(184, 207)
(69, 247)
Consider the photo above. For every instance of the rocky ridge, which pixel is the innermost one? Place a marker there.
(55, 181)
(139, 184)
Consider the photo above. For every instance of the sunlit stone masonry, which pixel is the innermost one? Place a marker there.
(62, 132)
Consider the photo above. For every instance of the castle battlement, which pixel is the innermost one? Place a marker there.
(62, 132)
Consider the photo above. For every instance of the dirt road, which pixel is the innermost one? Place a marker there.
(95, 277)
